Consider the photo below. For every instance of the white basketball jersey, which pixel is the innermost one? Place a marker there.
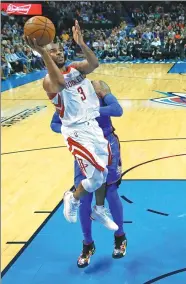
(78, 102)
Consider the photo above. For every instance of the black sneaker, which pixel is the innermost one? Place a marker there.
(120, 247)
(87, 252)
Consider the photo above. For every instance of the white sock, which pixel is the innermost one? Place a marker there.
(99, 207)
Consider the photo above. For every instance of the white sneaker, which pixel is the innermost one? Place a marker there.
(102, 216)
(71, 206)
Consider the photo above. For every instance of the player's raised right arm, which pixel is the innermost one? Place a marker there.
(54, 82)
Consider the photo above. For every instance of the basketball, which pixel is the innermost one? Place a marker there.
(40, 28)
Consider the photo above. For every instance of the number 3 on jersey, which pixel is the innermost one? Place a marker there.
(80, 90)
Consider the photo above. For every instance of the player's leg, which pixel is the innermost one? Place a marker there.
(114, 201)
(86, 223)
(93, 180)
(86, 226)
(91, 150)
(90, 184)
(116, 209)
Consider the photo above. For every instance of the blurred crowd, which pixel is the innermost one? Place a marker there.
(157, 31)
(64, 13)
(16, 57)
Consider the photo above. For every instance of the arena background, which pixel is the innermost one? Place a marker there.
(141, 48)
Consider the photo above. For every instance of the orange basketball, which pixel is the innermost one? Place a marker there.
(40, 28)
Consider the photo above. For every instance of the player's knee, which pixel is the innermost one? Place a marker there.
(95, 182)
(91, 185)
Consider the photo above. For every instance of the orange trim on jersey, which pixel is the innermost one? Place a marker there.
(61, 113)
(68, 70)
(90, 157)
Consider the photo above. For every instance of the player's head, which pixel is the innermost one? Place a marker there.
(56, 52)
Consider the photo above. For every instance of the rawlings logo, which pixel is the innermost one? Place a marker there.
(19, 9)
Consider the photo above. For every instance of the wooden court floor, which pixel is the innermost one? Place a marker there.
(37, 167)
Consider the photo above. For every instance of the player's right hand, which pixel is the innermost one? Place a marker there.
(33, 44)
(77, 34)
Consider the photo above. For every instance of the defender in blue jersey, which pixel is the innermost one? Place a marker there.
(109, 106)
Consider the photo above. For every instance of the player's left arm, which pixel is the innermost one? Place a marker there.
(91, 63)
(112, 107)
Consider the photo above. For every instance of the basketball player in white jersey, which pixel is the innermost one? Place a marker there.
(77, 103)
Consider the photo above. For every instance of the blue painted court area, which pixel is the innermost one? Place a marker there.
(156, 243)
(178, 68)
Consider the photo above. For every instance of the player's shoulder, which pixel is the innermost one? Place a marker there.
(48, 87)
(46, 82)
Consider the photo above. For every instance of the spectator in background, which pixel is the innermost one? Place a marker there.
(36, 63)
(177, 35)
(5, 68)
(22, 56)
(137, 48)
(130, 47)
(156, 24)
(14, 61)
(110, 55)
(156, 42)
(65, 36)
(170, 49)
(15, 58)
(148, 35)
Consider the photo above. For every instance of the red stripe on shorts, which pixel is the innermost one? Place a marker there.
(86, 153)
(96, 165)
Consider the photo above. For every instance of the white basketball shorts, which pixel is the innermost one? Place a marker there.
(87, 143)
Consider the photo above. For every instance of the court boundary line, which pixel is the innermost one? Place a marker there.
(123, 141)
(150, 161)
(126, 199)
(43, 212)
(19, 253)
(171, 68)
(33, 236)
(158, 212)
(16, 243)
(165, 275)
(30, 150)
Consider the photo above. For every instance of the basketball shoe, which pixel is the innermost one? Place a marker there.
(87, 252)
(120, 247)
(102, 215)
(71, 206)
